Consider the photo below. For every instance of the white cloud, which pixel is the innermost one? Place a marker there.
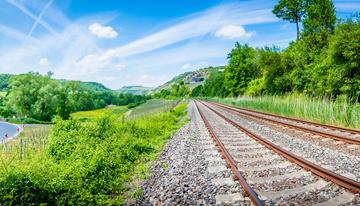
(197, 65)
(233, 32)
(75, 54)
(193, 26)
(44, 62)
(103, 31)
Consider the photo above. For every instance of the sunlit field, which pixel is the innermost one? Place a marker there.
(152, 106)
(92, 114)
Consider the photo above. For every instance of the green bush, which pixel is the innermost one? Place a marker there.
(88, 163)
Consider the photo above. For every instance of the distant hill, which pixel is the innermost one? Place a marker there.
(94, 86)
(193, 78)
(137, 90)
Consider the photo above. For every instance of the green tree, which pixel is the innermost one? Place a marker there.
(274, 69)
(240, 70)
(339, 70)
(214, 86)
(33, 95)
(319, 24)
(292, 11)
(197, 91)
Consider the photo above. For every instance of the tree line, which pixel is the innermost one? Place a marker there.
(324, 60)
(40, 97)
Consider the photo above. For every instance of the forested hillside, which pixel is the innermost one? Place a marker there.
(137, 90)
(182, 84)
(324, 60)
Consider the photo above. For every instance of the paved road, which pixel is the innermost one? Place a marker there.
(7, 128)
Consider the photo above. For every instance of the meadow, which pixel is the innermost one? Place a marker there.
(340, 112)
(84, 163)
(93, 114)
(152, 106)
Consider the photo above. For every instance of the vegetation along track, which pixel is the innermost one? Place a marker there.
(268, 170)
(351, 136)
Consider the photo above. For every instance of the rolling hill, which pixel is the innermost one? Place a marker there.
(137, 90)
(193, 78)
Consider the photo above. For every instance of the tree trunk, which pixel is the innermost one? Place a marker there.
(297, 31)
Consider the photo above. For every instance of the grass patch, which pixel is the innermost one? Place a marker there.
(152, 106)
(340, 112)
(93, 114)
(85, 163)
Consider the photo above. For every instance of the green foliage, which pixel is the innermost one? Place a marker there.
(240, 70)
(40, 97)
(323, 62)
(197, 91)
(33, 95)
(4, 112)
(215, 86)
(4, 81)
(85, 163)
(292, 11)
(177, 90)
(319, 24)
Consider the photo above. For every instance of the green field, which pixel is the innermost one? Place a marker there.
(340, 112)
(93, 114)
(152, 106)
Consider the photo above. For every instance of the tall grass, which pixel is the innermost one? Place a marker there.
(340, 112)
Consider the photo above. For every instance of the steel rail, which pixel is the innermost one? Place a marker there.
(323, 134)
(343, 129)
(345, 182)
(230, 161)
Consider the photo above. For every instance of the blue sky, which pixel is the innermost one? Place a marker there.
(137, 42)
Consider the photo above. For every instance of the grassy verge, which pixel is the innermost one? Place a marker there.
(340, 112)
(84, 163)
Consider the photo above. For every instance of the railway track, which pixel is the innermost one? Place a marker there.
(347, 135)
(271, 175)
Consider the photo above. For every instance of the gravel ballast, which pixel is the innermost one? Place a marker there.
(190, 171)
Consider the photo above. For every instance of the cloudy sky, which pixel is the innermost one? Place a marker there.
(135, 42)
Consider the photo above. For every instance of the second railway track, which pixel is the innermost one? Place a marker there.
(272, 175)
(347, 135)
